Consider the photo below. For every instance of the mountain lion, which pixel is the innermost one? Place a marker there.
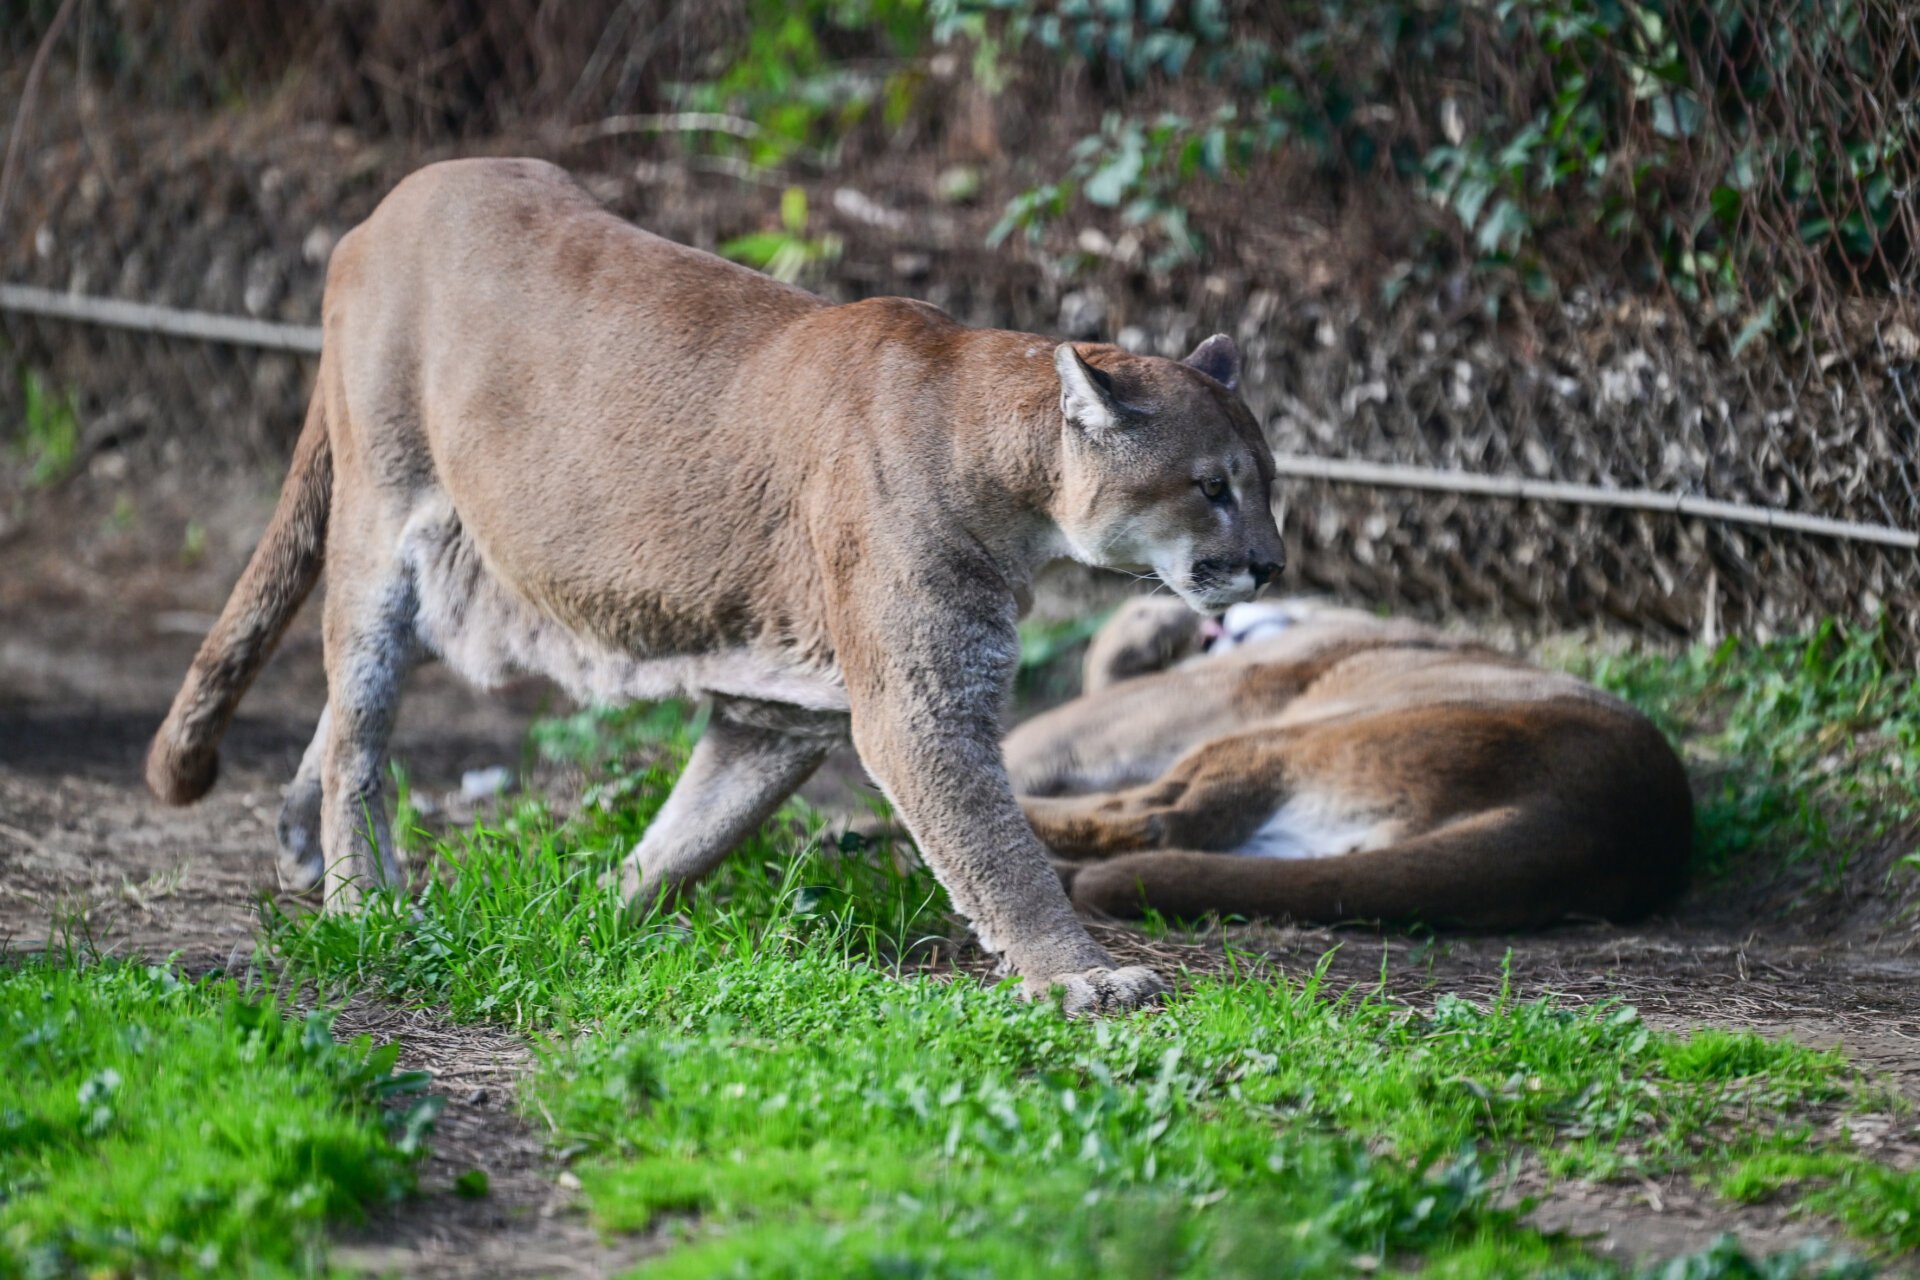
(544, 440)
(1323, 764)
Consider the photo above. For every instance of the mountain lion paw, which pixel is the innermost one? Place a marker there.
(1098, 991)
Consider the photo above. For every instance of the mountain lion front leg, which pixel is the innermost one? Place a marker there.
(751, 758)
(926, 694)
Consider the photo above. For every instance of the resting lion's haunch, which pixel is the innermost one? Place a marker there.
(1325, 765)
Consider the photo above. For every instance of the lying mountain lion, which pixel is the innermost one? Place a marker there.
(1323, 764)
(543, 440)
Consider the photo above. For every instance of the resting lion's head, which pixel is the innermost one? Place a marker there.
(1165, 470)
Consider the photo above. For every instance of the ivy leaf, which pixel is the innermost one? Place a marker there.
(1506, 226)
(1676, 115)
(1470, 197)
(1111, 181)
(1727, 204)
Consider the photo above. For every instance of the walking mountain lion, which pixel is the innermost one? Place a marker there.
(544, 440)
(1323, 764)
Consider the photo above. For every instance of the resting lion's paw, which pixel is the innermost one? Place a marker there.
(1098, 991)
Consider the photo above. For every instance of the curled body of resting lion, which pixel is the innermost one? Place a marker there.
(1322, 764)
(544, 440)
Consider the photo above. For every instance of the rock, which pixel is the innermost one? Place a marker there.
(479, 784)
(264, 284)
(1900, 343)
(318, 246)
(958, 184)
(1083, 314)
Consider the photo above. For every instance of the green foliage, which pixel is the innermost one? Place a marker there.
(1878, 1202)
(1807, 747)
(1139, 166)
(1675, 129)
(757, 1077)
(1138, 169)
(1050, 652)
(795, 79)
(789, 253)
(151, 1126)
(473, 1185)
(1725, 1260)
(1729, 1055)
(49, 434)
(516, 924)
(1644, 105)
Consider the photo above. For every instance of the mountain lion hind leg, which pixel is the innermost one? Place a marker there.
(371, 646)
(750, 759)
(298, 828)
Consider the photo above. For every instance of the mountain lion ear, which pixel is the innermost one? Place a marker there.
(1219, 359)
(1086, 394)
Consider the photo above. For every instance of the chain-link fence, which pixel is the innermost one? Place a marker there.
(1556, 308)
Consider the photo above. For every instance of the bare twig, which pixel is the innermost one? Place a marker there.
(24, 114)
(668, 122)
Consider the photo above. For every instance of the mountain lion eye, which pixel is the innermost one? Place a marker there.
(1214, 487)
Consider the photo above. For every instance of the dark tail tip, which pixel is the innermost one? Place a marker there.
(179, 776)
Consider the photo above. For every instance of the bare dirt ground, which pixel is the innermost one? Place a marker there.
(96, 629)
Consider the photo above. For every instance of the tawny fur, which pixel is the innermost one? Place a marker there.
(1350, 768)
(542, 439)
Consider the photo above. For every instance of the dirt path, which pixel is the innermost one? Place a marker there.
(84, 852)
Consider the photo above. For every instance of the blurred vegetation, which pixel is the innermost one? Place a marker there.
(153, 1125)
(806, 73)
(1807, 749)
(1692, 144)
(1738, 152)
(788, 252)
(47, 438)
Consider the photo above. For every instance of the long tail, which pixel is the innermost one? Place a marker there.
(183, 760)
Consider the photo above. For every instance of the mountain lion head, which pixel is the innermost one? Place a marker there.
(1166, 471)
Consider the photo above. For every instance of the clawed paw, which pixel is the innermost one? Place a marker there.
(1100, 991)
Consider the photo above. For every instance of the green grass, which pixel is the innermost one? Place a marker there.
(48, 435)
(1809, 748)
(151, 1126)
(759, 1078)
